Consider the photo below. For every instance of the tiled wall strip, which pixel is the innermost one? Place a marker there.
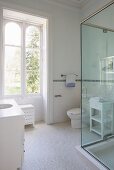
(78, 80)
(62, 80)
(101, 81)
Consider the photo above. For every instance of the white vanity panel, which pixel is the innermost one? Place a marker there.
(11, 139)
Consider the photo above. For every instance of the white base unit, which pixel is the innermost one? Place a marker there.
(29, 113)
(11, 142)
(101, 117)
(11, 137)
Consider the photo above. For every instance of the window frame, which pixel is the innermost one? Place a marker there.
(23, 25)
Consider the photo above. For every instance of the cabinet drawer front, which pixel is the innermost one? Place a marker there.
(26, 116)
(29, 119)
(28, 122)
(28, 112)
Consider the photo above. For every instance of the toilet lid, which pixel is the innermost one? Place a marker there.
(75, 111)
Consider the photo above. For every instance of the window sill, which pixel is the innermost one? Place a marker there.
(23, 96)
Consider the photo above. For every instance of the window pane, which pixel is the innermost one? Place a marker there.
(12, 34)
(32, 40)
(32, 37)
(33, 82)
(32, 71)
(12, 70)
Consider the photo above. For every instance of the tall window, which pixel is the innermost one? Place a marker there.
(22, 44)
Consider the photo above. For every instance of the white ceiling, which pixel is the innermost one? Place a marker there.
(73, 3)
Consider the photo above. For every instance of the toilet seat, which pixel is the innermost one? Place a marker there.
(74, 111)
(75, 115)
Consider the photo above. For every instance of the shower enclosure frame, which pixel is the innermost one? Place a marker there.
(82, 23)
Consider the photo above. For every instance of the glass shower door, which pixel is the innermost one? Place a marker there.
(93, 50)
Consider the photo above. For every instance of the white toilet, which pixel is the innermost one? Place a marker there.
(75, 115)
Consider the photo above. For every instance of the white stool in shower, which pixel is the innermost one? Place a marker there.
(101, 116)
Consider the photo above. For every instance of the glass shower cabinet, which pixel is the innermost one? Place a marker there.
(97, 70)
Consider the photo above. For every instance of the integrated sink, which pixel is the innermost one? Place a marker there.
(5, 106)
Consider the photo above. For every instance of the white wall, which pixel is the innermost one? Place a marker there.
(64, 48)
(70, 98)
(104, 18)
(92, 7)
